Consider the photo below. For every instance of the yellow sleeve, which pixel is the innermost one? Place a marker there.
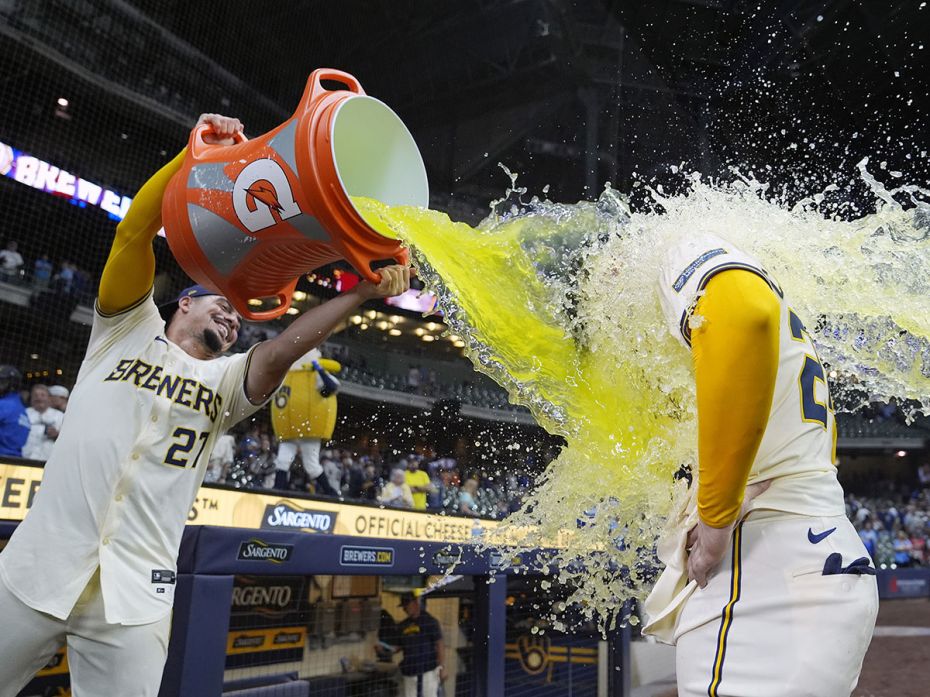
(735, 353)
(130, 268)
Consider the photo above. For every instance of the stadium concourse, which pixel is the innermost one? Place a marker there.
(351, 555)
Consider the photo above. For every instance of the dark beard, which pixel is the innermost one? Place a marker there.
(212, 341)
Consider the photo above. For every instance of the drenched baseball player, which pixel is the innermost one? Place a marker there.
(93, 563)
(768, 590)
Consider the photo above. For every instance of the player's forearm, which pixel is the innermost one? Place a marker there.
(143, 219)
(736, 361)
(130, 268)
(272, 359)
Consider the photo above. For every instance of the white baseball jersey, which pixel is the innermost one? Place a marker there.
(142, 421)
(797, 449)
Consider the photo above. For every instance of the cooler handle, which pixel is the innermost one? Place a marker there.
(275, 312)
(198, 146)
(315, 90)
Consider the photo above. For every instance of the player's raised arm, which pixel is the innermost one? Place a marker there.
(735, 363)
(272, 359)
(130, 268)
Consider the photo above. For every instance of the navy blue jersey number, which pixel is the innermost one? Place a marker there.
(812, 410)
(186, 439)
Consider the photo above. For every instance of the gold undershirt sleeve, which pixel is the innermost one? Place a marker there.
(130, 268)
(735, 353)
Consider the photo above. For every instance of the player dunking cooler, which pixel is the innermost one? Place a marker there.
(93, 563)
(767, 588)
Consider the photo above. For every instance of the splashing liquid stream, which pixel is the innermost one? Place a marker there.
(558, 304)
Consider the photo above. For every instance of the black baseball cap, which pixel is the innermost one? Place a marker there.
(166, 310)
(406, 598)
(11, 378)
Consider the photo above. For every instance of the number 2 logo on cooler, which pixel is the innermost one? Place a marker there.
(262, 195)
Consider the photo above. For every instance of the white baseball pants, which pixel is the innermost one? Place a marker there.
(309, 454)
(104, 659)
(786, 614)
(423, 685)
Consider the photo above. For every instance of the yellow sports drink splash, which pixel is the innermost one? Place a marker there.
(558, 303)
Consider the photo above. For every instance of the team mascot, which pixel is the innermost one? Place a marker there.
(303, 414)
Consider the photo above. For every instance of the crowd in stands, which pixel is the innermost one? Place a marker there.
(67, 279)
(32, 419)
(895, 526)
(418, 481)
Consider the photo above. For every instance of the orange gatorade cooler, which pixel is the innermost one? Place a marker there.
(249, 219)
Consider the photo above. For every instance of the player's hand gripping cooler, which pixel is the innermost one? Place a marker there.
(249, 219)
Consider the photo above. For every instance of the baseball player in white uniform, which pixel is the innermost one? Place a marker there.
(767, 589)
(93, 563)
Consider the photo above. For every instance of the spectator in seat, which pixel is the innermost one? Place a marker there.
(261, 463)
(918, 548)
(64, 281)
(42, 272)
(902, 549)
(467, 503)
(369, 487)
(14, 423)
(58, 397)
(923, 475)
(221, 459)
(435, 495)
(419, 483)
(355, 478)
(11, 262)
(869, 538)
(45, 423)
(413, 380)
(396, 493)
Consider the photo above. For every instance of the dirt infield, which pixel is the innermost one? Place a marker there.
(898, 666)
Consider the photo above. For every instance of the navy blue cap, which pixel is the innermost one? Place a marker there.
(166, 310)
(406, 598)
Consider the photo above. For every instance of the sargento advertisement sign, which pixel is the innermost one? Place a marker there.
(267, 621)
(257, 511)
(285, 516)
(46, 177)
(259, 550)
(270, 596)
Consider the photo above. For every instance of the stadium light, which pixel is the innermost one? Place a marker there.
(395, 332)
(428, 337)
(901, 453)
(62, 102)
